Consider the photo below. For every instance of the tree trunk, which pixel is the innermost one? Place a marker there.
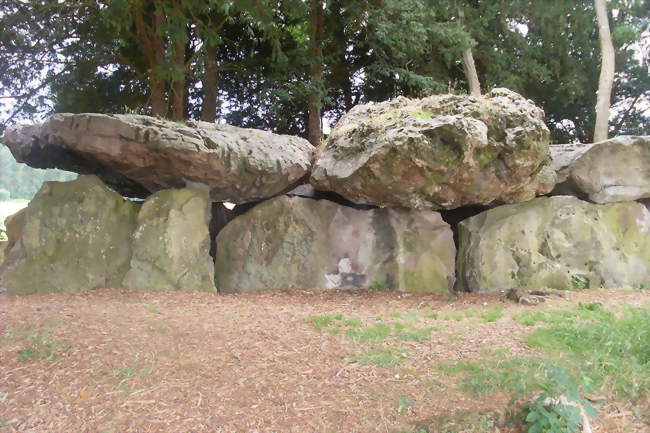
(316, 28)
(210, 85)
(607, 68)
(156, 59)
(178, 84)
(157, 88)
(469, 66)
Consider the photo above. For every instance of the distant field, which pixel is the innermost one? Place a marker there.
(10, 207)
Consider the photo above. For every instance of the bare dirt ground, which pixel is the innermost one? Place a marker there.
(125, 361)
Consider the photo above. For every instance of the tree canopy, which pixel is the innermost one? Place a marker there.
(276, 64)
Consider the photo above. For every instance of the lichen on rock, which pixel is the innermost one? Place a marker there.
(72, 236)
(295, 242)
(440, 152)
(555, 242)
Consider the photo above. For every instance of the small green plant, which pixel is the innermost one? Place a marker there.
(492, 314)
(324, 321)
(382, 287)
(3, 234)
(557, 409)
(580, 282)
(387, 357)
(405, 405)
(126, 374)
(641, 286)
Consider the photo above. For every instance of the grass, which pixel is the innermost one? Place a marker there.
(384, 357)
(38, 343)
(356, 332)
(487, 315)
(126, 374)
(605, 352)
(388, 333)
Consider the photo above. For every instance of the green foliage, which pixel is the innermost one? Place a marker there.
(580, 282)
(381, 287)
(77, 56)
(487, 315)
(587, 349)
(612, 351)
(557, 408)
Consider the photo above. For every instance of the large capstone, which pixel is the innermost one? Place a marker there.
(295, 242)
(614, 170)
(138, 155)
(73, 236)
(440, 152)
(171, 244)
(555, 242)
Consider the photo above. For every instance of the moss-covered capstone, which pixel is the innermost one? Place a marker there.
(75, 236)
(440, 152)
(171, 244)
(295, 242)
(555, 242)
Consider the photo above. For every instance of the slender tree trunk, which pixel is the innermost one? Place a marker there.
(156, 59)
(607, 68)
(157, 88)
(210, 85)
(470, 66)
(178, 84)
(316, 28)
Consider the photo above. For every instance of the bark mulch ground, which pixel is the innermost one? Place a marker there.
(123, 361)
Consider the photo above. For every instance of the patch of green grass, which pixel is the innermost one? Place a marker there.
(416, 334)
(324, 321)
(534, 317)
(487, 315)
(382, 287)
(38, 342)
(492, 314)
(611, 351)
(485, 377)
(603, 351)
(407, 330)
(461, 314)
(126, 374)
(384, 357)
(370, 335)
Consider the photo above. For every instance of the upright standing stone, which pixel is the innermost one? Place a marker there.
(171, 244)
(555, 242)
(75, 236)
(295, 242)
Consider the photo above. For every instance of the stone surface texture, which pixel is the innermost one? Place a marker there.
(73, 236)
(138, 155)
(295, 242)
(171, 244)
(615, 170)
(555, 242)
(440, 152)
